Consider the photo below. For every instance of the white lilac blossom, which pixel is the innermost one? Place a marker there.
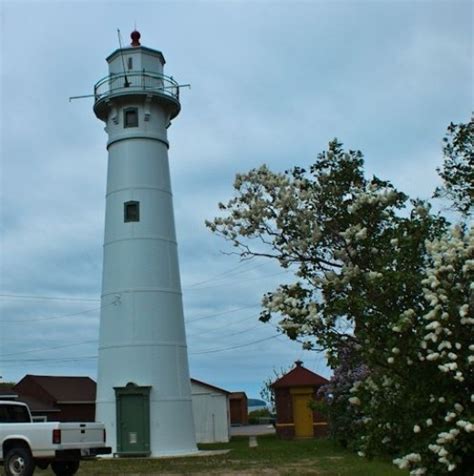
(459, 377)
(418, 471)
(463, 310)
(362, 234)
(446, 275)
(404, 463)
(450, 416)
(393, 287)
(444, 345)
(467, 426)
(433, 325)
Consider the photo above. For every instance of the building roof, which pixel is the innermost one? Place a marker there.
(38, 406)
(213, 387)
(238, 395)
(7, 391)
(66, 389)
(299, 376)
(128, 49)
(78, 389)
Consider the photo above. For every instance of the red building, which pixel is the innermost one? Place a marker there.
(53, 398)
(238, 408)
(7, 392)
(294, 393)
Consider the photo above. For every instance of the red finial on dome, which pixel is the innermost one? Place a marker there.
(135, 36)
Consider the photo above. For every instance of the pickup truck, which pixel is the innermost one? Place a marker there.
(25, 445)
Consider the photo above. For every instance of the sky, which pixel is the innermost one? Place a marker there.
(271, 82)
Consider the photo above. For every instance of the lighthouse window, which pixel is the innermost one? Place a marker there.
(130, 117)
(130, 63)
(131, 211)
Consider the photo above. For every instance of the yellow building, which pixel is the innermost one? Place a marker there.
(294, 393)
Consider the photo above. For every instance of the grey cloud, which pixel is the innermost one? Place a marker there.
(271, 82)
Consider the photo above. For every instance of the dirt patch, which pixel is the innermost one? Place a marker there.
(287, 470)
(293, 469)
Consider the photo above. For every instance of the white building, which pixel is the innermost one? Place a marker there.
(143, 385)
(211, 412)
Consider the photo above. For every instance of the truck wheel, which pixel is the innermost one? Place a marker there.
(19, 462)
(65, 468)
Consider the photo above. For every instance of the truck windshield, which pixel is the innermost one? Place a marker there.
(14, 414)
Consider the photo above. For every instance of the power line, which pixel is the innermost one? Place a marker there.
(95, 341)
(234, 347)
(38, 297)
(42, 349)
(63, 359)
(195, 334)
(240, 283)
(42, 319)
(200, 318)
(52, 359)
(225, 275)
(241, 331)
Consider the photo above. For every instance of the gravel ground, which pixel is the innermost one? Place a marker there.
(250, 430)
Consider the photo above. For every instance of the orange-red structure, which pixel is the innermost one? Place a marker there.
(294, 393)
(238, 403)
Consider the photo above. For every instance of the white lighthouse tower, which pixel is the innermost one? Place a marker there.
(143, 388)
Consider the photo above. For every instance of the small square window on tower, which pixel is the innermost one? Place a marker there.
(131, 211)
(130, 118)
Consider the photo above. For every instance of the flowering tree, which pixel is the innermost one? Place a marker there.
(338, 403)
(356, 259)
(364, 257)
(457, 171)
(444, 425)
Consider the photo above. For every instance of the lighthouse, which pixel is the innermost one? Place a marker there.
(143, 385)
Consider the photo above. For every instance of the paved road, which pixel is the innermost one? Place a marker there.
(248, 430)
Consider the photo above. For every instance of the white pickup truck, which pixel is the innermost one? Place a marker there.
(25, 445)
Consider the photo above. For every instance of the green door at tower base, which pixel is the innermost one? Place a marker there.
(133, 420)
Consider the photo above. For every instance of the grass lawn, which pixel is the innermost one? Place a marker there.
(272, 457)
